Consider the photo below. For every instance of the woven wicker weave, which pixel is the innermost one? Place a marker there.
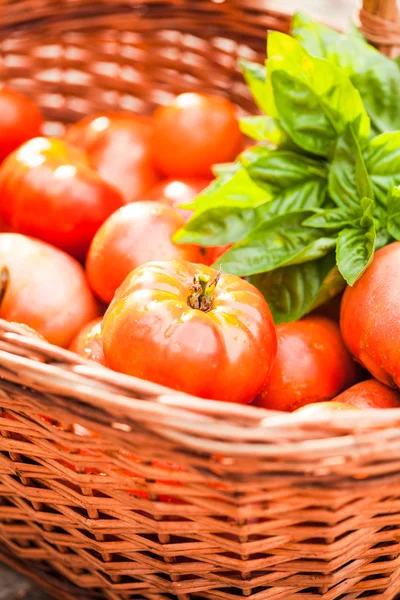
(254, 505)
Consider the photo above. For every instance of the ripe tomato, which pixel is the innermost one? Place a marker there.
(20, 120)
(137, 233)
(48, 190)
(370, 394)
(175, 192)
(312, 365)
(44, 288)
(118, 147)
(325, 407)
(193, 133)
(186, 326)
(88, 342)
(370, 316)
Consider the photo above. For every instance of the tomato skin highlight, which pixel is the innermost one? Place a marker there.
(20, 120)
(47, 289)
(312, 365)
(119, 148)
(48, 191)
(151, 332)
(193, 133)
(175, 192)
(370, 394)
(370, 316)
(317, 408)
(137, 233)
(88, 343)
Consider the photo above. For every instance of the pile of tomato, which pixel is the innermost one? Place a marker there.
(88, 262)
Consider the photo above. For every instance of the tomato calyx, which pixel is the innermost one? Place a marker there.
(201, 296)
(4, 281)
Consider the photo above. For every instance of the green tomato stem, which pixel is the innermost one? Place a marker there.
(201, 296)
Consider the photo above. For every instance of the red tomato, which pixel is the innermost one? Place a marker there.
(118, 146)
(370, 316)
(20, 120)
(137, 233)
(193, 133)
(218, 251)
(325, 407)
(312, 365)
(175, 192)
(88, 342)
(370, 394)
(48, 190)
(45, 289)
(184, 326)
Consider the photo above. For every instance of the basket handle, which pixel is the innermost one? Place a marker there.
(380, 24)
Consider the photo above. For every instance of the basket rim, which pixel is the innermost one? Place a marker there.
(68, 375)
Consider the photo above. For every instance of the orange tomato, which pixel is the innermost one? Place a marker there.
(20, 120)
(312, 364)
(48, 191)
(193, 133)
(118, 147)
(190, 328)
(88, 343)
(370, 394)
(137, 233)
(44, 288)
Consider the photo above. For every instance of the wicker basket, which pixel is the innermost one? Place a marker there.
(176, 496)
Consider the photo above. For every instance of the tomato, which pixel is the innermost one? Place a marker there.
(137, 233)
(118, 147)
(48, 191)
(187, 327)
(218, 251)
(88, 342)
(193, 133)
(325, 407)
(44, 288)
(370, 316)
(312, 365)
(20, 120)
(370, 394)
(175, 192)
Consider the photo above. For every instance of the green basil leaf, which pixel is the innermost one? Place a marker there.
(237, 189)
(263, 128)
(218, 226)
(256, 77)
(331, 218)
(376, 76)
(226, 169)
(393, 207)
(315, 99)
(356, 245)
(382, 160)
(348, 177)
(278, 242)
(294, 291)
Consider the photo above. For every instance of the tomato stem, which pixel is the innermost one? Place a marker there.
(4, 281)
(201, 296)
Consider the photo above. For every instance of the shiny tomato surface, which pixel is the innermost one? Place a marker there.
(137, 233)
(312, 365)
(88, 343)
(176, 324)
(193, 133)
(49, 191)
(176, 192)
(44, 288)
(370, 394)
(118, 147)
(20, 120)
(370, 316)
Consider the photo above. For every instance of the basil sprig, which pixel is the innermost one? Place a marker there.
(307, 206)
